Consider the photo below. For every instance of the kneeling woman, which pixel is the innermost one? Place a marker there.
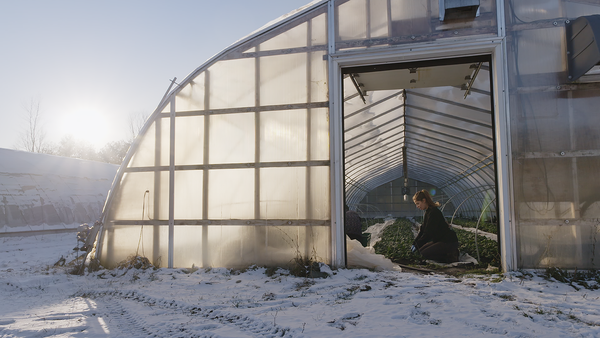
(436, 240)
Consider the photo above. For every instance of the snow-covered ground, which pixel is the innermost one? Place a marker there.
(40, 300)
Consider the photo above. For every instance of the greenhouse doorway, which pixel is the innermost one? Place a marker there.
(422, 125)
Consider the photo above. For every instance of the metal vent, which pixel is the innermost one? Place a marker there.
(583, 52)
(458, 9)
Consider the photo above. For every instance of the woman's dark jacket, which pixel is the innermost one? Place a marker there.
(434, 229)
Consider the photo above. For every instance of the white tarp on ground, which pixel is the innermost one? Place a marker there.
(360, 257)
(44, 192)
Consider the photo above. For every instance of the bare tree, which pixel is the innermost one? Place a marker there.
(136, 123)
(33, 137)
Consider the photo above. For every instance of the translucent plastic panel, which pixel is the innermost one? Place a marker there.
(283, 135)
(122, 242)
(381, 107)
(167, 108)
(432, 99)
(539, 51)
(378, 19)
(191, 97)
(283, 193)
(381, 120)
(351, 20)
(188, 194)
(283, 79)
(588, 183)
(297, 37)
(145, 154)
(232, 138)
(319, 30)
(141, 196)
(546, 182)
(271, 246)
(541, 119)
(411, 17)
(236, 246)
(565, 246)
(288, 242)
(231, 194)
(584, 119)
(231, 84)
(387, 199)
(527, 11)
(547, 210)
(319, 193)
(292, 38)
(189, 140)
(452, 125)
(319, 130)
(319, 87)
(224, 246)
(187, 246)
(575, 10)
(365, 23)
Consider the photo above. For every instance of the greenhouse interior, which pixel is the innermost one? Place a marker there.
(490, 106)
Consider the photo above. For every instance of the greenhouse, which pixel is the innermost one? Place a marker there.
(491, 105)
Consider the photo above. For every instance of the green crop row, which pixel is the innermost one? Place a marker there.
(483, 226)
(488, 249)
(397, 239)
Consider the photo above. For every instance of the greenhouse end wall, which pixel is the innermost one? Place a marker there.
(234, 167)
(555, 139)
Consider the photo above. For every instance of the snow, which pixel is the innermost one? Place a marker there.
(46, 192)
(38, 299)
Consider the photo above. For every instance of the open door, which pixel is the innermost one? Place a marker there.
(424, 125)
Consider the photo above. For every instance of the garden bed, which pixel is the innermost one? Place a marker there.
(397, 239)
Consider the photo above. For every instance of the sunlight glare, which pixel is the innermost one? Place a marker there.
(87, 125)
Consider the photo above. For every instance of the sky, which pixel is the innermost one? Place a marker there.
(39, 299)
(93, 65)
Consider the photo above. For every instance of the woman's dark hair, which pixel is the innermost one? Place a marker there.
(424, 195)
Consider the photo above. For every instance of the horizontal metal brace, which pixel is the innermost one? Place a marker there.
(553, 154)
(224, 222)
(233, 166)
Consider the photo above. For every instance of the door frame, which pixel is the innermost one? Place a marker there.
(496, 48)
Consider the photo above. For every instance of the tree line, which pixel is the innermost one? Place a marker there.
(33, 139)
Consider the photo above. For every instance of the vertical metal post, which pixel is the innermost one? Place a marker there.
(368, 18)
(338, 239)
(205, 162)
(257, 135)
(575, 204)
(309, 203)
(260, 236)
(389, 17)
(172, 182)
(503, 150)
(156, 259)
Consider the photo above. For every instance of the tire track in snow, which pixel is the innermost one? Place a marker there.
(117, 314)
(178, 319)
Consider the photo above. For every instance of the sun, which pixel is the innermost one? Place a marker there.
(85, 125)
